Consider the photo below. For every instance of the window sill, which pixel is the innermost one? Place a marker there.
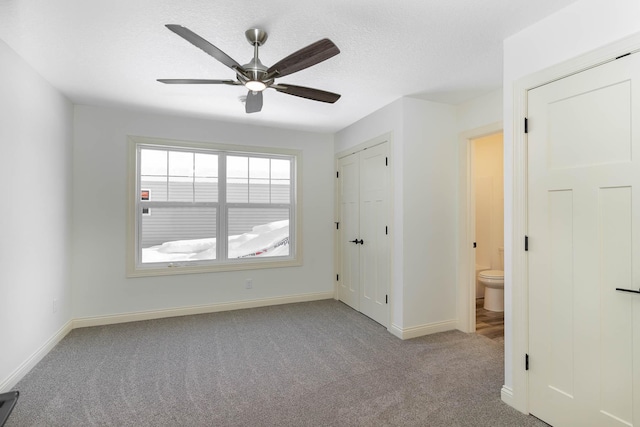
(176, 269)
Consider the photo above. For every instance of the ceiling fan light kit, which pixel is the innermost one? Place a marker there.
(255, 76)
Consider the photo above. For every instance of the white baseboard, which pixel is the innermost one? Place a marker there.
(196, 309)
(418, 331)
(507, 396)
(22, 370)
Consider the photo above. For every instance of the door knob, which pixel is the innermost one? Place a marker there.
(361, 242)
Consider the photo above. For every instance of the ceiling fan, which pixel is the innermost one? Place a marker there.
(255, 76)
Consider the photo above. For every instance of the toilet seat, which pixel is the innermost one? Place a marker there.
(492, 274)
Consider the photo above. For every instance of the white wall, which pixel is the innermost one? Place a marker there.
(577, 29)
(35, 218)
(480, 112)
(424, 178)
(100, 287)
(430, 212)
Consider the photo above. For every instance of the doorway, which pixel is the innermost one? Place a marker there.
(487, 174)
(364, 268)
(467, 275)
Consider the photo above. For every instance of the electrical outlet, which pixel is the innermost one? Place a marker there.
(248, 284)
(55, 305)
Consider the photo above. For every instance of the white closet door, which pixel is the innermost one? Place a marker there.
(374, 249)
(584, 242)
(364, 234)
(349, 187)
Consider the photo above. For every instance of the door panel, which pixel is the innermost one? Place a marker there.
(616, 309)
(584, 222)
(374, 252)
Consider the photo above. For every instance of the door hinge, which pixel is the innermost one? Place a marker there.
(386, 161)
(526, 362)
(337, 277)
(526, 125)
(386, 299)
(526, 243)
(337, 226)
(475, 245)
(337, 174)
(386, 229)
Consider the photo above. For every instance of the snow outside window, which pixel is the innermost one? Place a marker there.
(213, 209)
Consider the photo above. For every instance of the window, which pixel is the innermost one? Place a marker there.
(214, 207)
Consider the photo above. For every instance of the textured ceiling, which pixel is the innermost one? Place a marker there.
(109, 52)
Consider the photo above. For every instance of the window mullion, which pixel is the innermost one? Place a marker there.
(157, 204)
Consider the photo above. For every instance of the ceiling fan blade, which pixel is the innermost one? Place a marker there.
(254, 102)
(198, 41)
(198, 82)
(307, 92)
(304, 58)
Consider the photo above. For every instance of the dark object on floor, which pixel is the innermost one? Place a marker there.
(7, 402)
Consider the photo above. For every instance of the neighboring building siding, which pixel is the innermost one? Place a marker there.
(169, 224)
(243, 220)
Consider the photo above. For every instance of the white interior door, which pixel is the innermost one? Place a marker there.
(584, 242)
(349, 187)
(374, 246)
(364, 240)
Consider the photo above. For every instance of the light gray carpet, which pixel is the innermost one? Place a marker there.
(308, 364)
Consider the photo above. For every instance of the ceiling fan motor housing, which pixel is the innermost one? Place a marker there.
(256, 70)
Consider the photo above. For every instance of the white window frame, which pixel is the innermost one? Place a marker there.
(135, 268)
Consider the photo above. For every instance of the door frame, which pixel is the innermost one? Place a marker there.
(467, 226)
(388, 138)
(516, 265)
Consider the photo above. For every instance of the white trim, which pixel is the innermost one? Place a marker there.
(466, 226)
(85, 322)
(506, 394)
(422, 330)
(519, 278)
(36, 357)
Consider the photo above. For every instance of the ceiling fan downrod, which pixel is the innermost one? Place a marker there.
(257, 71)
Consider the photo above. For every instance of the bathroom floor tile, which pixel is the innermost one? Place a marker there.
(489, 323)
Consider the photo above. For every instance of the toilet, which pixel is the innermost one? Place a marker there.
(493, 281)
